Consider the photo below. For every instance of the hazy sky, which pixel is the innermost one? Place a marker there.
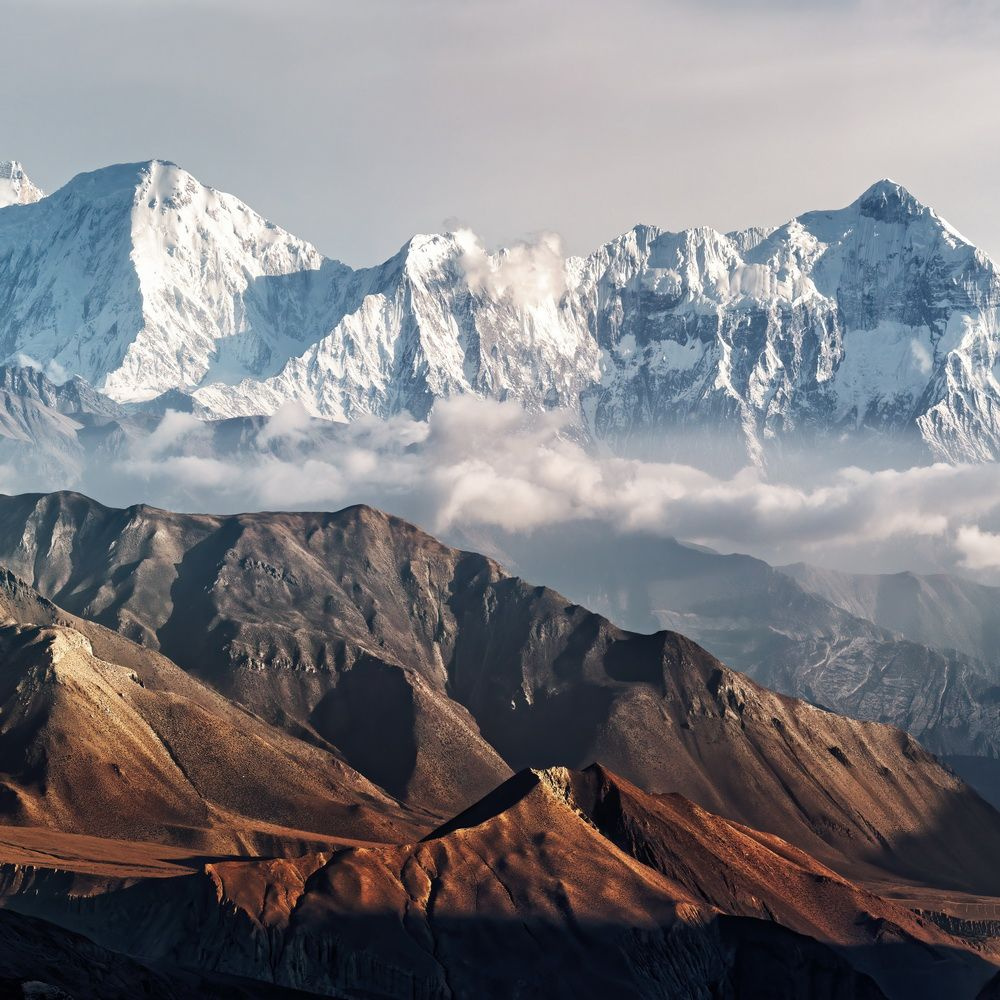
(355, 123)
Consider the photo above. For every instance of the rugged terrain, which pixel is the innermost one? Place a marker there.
(938, 610)
(558, 883)
(325, 752)
(99, 736)
(332, 626)
(874, 324)
(299, 754)
(913, 651)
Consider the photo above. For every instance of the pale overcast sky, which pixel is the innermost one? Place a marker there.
(355, 124)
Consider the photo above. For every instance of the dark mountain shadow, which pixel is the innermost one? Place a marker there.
(373, 955)
(286, 314)
(372, 698)
(928, 857)
(192, 633)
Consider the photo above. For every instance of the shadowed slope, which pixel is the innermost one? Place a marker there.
(274, 610)
(745, 872)
(881, 654)
(433, 671)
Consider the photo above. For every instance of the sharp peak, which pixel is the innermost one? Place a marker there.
(427, 249)
(19, 189)
(423, 241)
(504, 797)
(885, 185)
(889, 201)
(363, 512)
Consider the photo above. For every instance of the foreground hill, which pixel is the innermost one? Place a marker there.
(556, 884)
(431, 672)
(346, 696)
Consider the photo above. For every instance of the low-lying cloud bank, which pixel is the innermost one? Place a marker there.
(481, 469)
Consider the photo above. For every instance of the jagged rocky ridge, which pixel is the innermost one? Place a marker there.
(917, 652)
(337, 626)
(557, 883)
(876, 320)
(522, 895)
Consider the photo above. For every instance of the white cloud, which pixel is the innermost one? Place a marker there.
(530, 272)
(485, 465)
(291, 421)
(174, 429)
(979, 549)
(921, 356)
(51, 369)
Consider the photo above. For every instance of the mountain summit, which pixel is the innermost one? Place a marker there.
(889, 202)
(139, 278)
(877, 321)
(16, 187)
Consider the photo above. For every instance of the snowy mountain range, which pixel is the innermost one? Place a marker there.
(877, 321)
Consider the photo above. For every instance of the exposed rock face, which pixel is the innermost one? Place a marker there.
(938, 610)
(741, 871)
(433, 673)
(869, 322)
(391, 660)
(558, 883)
(526, 894)
(849, 320)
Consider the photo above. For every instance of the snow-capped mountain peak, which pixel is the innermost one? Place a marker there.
(141, 279)
(16, 187)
